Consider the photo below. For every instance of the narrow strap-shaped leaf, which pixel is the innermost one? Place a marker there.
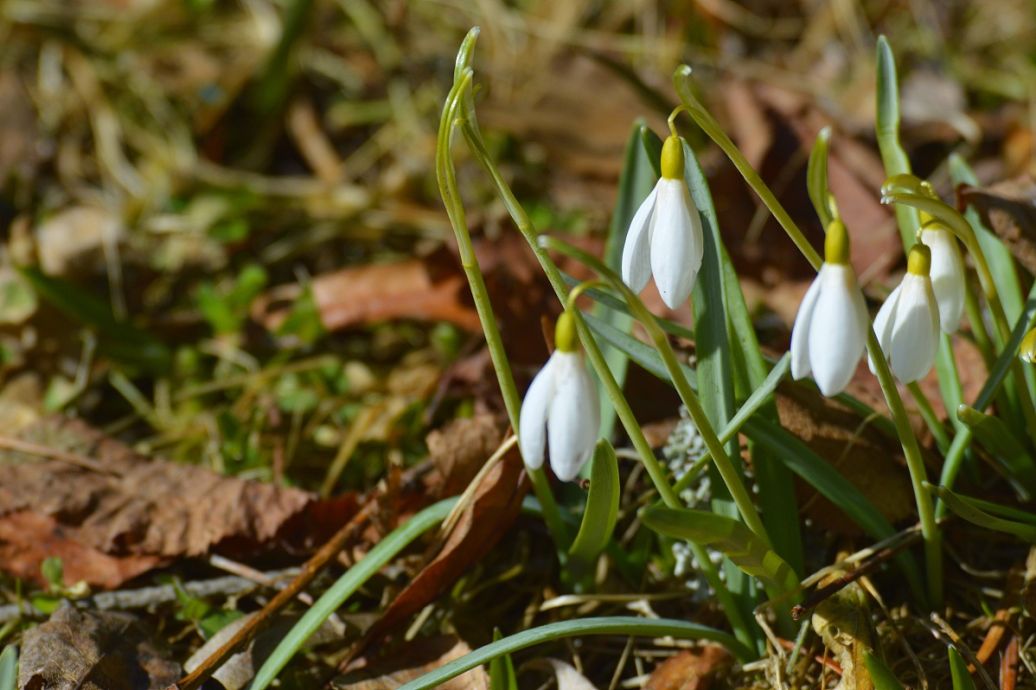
(959, 671)
(1005, 447)
(731, 537)
(602, 507)
(501, 669)
(881, 675)
(635, 182)
(614, 625)
(9, 668)
(966, 509)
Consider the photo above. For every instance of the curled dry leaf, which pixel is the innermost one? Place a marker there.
(495, 505)
(459, 449)
(92, 650)
(127, 506)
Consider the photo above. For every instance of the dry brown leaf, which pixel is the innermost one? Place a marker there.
(92, 650)
(1008, 209)
(865, 456)
(413, 661)
(459, 449)
(694, 669)
(432, 288)
(495, 505)
(134, 507)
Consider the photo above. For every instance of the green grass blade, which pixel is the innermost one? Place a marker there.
(9, 668)
(614, 625)
(816, 178)
(602, 508)
(1005, 447)
(384, 551)
(881, 675)
(636, 181)
(966, 509)
(730, 537)
(959, 671)
(501, 669)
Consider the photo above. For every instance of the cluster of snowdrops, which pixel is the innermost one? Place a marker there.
(665, 241)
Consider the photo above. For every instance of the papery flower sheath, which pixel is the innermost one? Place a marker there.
(665, 236)
(947, 274)
(830, 330)
(560, 411)
(907, 325)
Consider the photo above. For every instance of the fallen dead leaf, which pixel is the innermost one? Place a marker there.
(92, 650)
(459, 449)
(694, 669)
(431, 288)
(861, 453)
(412, 661)
(1008, 208)
(496, 503)
(149, 510)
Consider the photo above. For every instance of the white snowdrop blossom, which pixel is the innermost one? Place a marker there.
(907, 325)
(830, 330)
(560, 410)
(947, 274)
(665, 236)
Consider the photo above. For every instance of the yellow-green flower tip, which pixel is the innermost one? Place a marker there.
(1027, 350)
(672, 158)
(919, 261)
(836, 244)
(565, 338)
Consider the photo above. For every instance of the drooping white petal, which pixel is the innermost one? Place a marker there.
(883, 323)
(838, 333)
(573, 417)
(532, 422)
(636, 264)
(947, 276)
(800, 330)
(915, 332)
(676, 242)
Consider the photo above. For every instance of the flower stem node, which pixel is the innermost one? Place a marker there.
(560, 410)
(947, 272)
(907, 325)
(830, 331)
(665, 236)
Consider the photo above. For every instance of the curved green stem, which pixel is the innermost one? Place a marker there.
(449, 191)
(911, 450)
(614, 625)
(931, 419)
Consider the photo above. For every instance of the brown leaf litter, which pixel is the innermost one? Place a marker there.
(92, 650)
(136, 514)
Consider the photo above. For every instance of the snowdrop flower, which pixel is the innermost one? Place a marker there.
(830, 330)
(560, 409)
(907, 324)
(665, 236)
(947, 274)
